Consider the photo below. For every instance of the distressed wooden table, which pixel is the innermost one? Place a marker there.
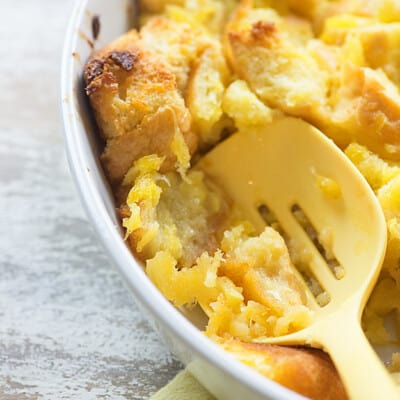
(69, 329)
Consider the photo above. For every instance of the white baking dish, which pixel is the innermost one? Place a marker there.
(213, 367)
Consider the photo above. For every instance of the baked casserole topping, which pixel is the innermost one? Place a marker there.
(196, 71)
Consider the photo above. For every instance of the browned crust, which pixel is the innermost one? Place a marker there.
(262, 29)
(137, 105)
(309, 372)
(97, 66)
(102, 70)
(105, 69)
(261, 33)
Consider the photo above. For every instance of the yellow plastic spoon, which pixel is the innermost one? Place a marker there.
(282, 166)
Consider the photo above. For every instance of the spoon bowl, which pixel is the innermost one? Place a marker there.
(292, 172)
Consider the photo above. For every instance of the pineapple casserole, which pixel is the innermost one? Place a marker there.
(196, 71)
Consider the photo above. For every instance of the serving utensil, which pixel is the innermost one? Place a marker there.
(290, 166)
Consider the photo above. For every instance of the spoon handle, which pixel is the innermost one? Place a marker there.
(361, 370)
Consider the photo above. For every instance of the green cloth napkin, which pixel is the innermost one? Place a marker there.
(183, 387)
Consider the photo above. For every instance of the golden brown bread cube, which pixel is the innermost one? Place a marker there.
(366, 110)
(177, 44)
(197, 61)
(309, 372)
(138, 85)
(137, 105)
(332, 87)
(156, 132)
(259, 53)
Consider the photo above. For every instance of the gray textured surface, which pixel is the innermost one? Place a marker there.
(68, 327)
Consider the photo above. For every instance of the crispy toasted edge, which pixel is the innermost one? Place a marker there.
(307, 371)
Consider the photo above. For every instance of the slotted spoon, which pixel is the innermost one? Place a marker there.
(279, 168)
